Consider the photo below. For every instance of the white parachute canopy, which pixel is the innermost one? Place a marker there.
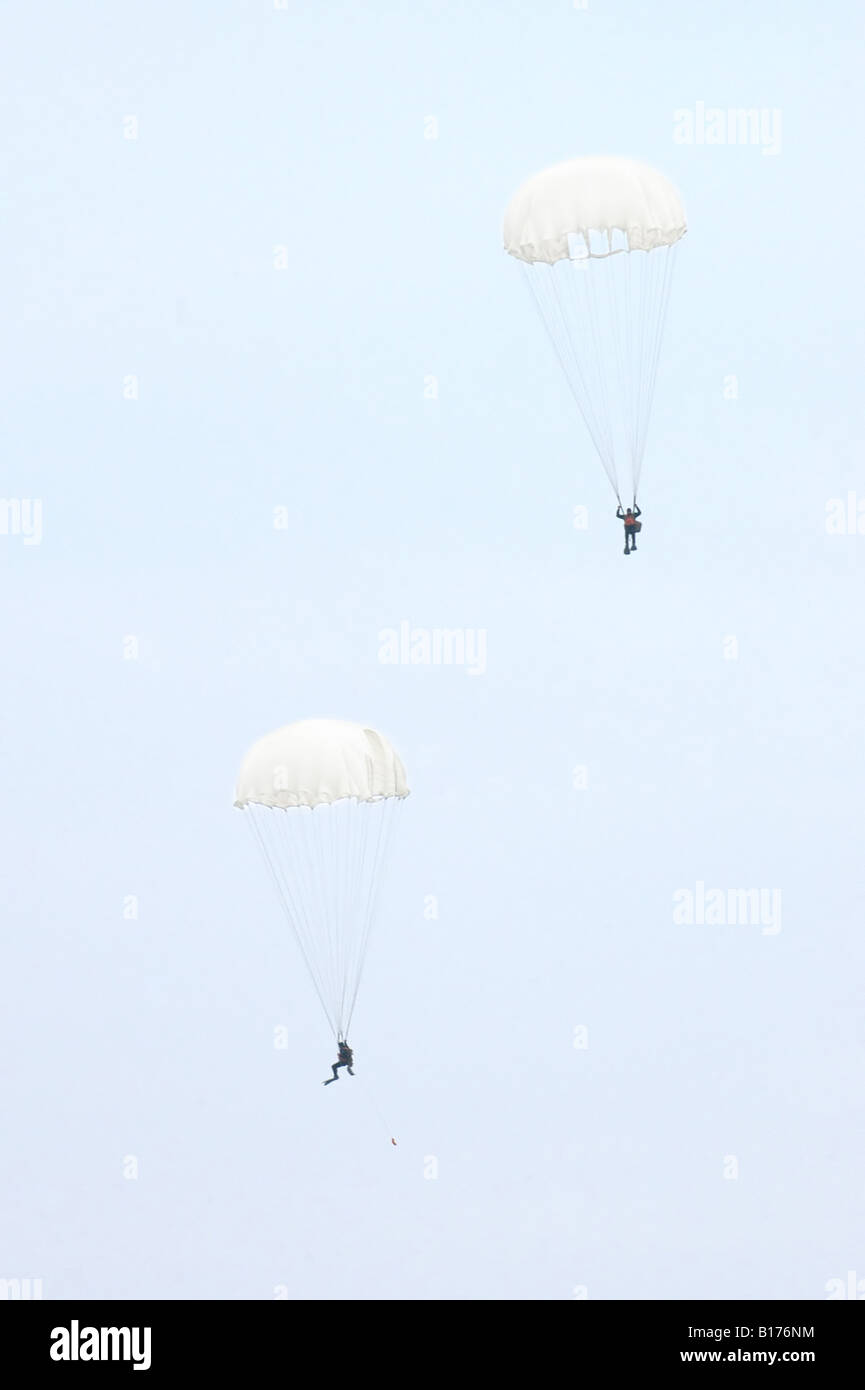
(596, 238)
(320, 796)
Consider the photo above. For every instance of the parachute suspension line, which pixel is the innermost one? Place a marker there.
(578, 273)
(295, 853)
(630, 334)
(283, 891)
(637, 329)
(351, 864)
(288, 839)
(628, 319)
(655, 293)
(373, 880)
(618, 333)
(355, 860)
(666, 257)
(543, 286)
(603, 364)
(645, 271)
(324, 863)
(355, 874)
(604, 317)
(347, 876)
(320, 839)
(294, 870)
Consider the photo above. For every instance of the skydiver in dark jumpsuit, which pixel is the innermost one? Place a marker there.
(345, 1059)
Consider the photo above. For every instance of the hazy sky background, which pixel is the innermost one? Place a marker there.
(558, 1168)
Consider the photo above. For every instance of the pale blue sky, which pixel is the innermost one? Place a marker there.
(557, 1168)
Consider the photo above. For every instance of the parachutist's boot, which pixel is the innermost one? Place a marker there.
(349, 1070)
(328, 1081)
(627, 551)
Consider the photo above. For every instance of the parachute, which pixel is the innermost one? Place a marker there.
(321, 796)
(597, 238)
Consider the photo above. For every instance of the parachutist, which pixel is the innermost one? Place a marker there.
(345, 1059)
(632, 526)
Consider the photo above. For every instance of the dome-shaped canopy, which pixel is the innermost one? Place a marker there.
(318, 761)
(587, 200)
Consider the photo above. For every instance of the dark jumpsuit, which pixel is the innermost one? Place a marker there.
(346, 1057)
